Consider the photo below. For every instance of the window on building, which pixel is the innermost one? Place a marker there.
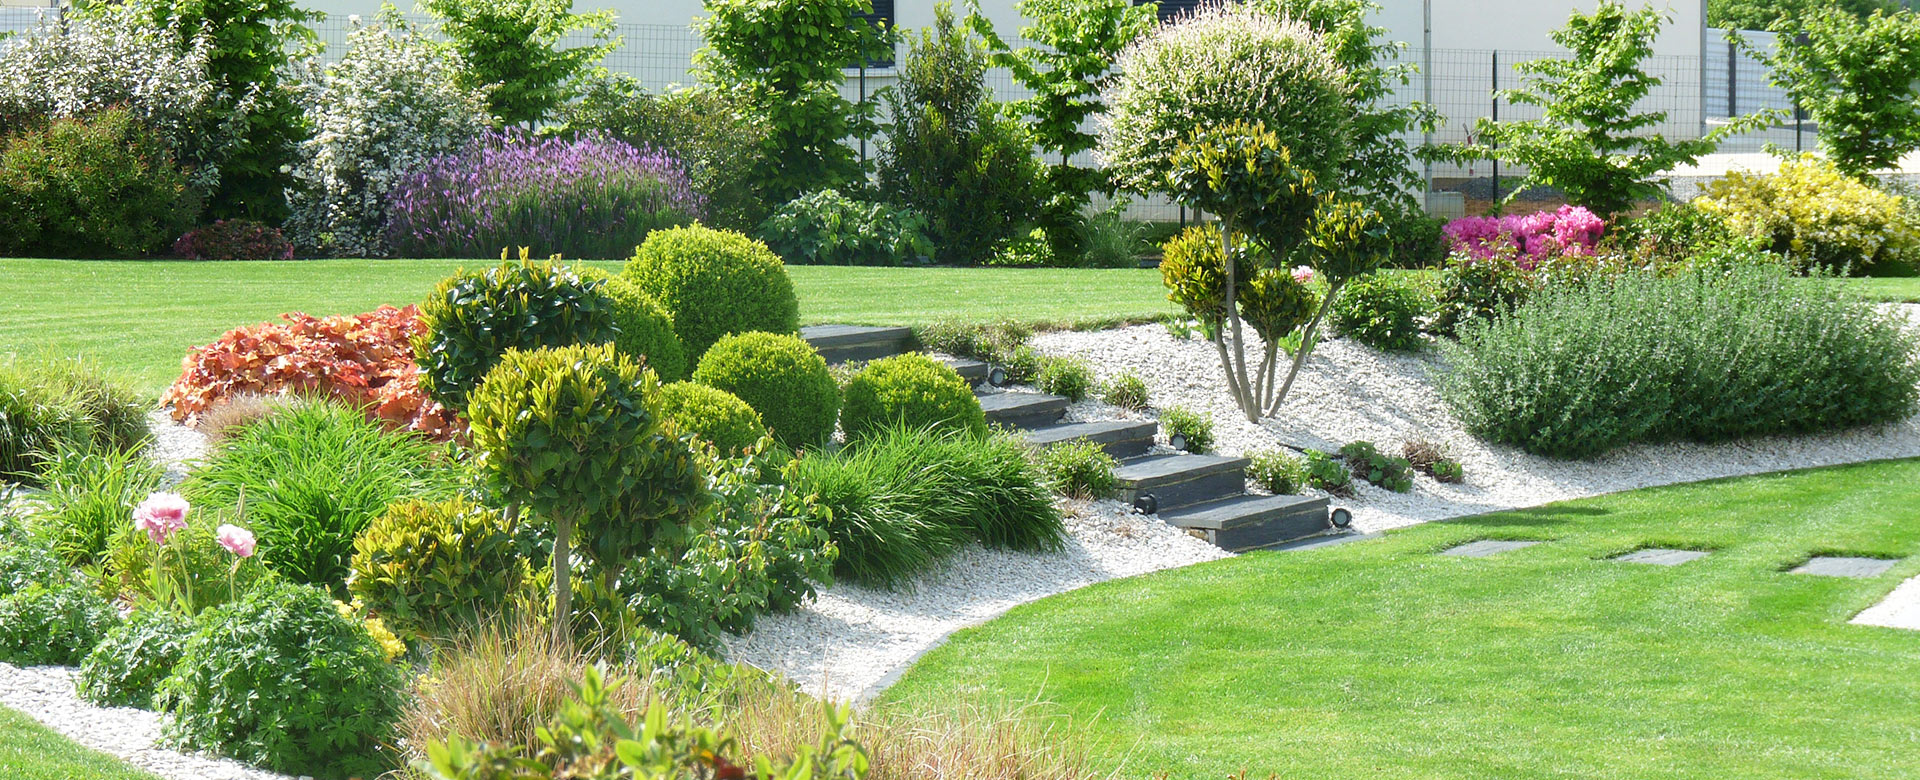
(882, 14)
(1168, 8)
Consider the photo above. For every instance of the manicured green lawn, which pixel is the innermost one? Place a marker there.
(1900, 289)
(1381, 660)
(139, 318)
(30, 750)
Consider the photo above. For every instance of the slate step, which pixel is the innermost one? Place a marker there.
(1245, 522)
(969, 369)
(1181, 480)
(843, 343)
(1120, 438)
(1023, 410)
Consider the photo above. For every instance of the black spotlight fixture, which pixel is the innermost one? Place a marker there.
(1342, 519)
(997, 376)
(1178, 441)
(1146, 504)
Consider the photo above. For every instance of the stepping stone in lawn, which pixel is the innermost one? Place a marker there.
(1661, 556)
(1900, 609)
(1484, 548)
(1838, 566)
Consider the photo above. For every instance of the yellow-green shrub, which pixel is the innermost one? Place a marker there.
(1812, 213)
(782, 378)
(426, 567)
(715, 416)
(714, 282)
(911, 389)
(645, 328)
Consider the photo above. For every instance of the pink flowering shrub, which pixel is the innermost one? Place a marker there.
(1532, 238)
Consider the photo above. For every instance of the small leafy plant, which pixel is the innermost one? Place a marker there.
(1327, 474)
(1368, 463)
(1080, 469)
(1065, 376)
(1197, 427)
(1280, 473)
(129, 663)
(282, 680)
(1127, 391)
(1431, 459)
(1382, 311)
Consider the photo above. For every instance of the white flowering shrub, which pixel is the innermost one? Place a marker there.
(111, 57)
(383, 111)
(1220, 65)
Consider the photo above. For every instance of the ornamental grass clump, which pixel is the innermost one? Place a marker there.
(309, 478)
(906, 498)
(589, 196)
(1698, 356)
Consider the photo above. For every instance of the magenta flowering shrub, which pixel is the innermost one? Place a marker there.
(589, 196)
(1532, 238)
(233, 239)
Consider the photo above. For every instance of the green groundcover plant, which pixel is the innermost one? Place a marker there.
(1698, 356)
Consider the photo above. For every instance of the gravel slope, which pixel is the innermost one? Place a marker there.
(1348, 392)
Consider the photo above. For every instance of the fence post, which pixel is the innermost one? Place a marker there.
(1733, 81)
(1496, 120)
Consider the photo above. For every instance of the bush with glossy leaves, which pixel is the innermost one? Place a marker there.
(473, 318)
(432, 568)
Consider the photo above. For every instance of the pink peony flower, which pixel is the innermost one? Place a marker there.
(237, 540)
(161, 515)
(1302, 274)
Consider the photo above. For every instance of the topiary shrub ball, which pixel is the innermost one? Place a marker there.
(474, 317)
(715, 416)
(429, 568)
(714, 282)
(645, 328)
(782, 378)
(1219, 65)
(911, 389)
(282, 680)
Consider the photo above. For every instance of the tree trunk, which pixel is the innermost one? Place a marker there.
(1306, 342)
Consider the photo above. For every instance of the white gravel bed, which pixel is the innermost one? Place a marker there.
(1900, 609)
(852, 642)
(46, 694)
(1348, 392)
(174, 446)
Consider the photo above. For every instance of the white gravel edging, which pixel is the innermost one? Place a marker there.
(46, 694)
(852, 642)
